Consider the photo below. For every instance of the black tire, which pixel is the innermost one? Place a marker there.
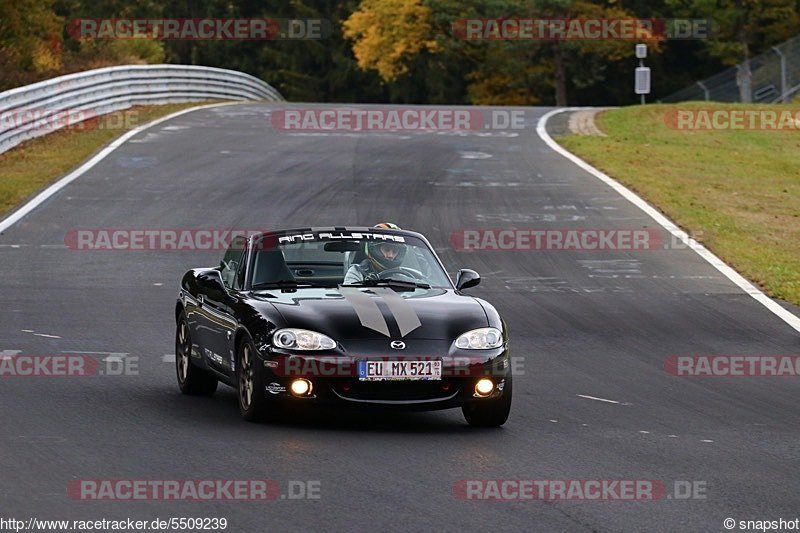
(191, 379)
(249, 384)
(490, 413)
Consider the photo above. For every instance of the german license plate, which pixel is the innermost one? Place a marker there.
(400, 370)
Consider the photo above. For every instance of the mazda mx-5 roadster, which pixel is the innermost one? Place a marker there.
(341, 316)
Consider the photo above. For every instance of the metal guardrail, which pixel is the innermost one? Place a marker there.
(41, 108)
(771, 77)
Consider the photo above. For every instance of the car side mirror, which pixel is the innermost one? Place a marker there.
(467, 278)
(211, 281)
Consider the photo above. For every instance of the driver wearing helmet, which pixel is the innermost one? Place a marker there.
(381, 256)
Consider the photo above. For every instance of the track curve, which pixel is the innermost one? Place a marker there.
(597, 324)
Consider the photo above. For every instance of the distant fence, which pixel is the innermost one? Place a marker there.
(38, 109)
(771, 77)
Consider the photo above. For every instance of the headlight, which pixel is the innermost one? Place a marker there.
(480, 339)
(302, 339)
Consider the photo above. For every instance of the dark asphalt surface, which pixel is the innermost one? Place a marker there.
(583, 323)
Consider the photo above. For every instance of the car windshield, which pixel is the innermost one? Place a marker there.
(346, 258)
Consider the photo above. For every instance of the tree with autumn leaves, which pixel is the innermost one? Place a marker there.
(392, 36)
(35, 44)
(388, 35)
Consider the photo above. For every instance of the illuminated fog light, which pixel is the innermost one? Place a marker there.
(301, 387)
(484, 387)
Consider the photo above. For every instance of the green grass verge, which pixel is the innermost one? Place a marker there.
(737, 191)
(31, 166)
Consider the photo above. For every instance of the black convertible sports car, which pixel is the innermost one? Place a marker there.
(348, 316)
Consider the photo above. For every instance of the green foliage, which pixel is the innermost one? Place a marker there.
(742, 26)
(30, 41)
(404, 51)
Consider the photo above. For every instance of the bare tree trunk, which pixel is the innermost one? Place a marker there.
(743, 74)
(560, 76)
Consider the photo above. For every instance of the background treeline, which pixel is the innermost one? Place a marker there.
(404, 51)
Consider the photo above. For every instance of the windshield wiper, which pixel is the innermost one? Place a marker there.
(283, 284)
(390, 282)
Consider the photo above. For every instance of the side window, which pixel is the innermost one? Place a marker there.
(238, 283)
(232, 260)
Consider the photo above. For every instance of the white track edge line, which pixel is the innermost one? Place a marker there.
(702, 251)
(40, 198)
(598, 399)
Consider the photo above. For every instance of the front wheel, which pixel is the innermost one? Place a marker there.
(249, 386)
(489, 413)
(191, 379)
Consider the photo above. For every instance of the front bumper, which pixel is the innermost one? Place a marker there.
(335, 380)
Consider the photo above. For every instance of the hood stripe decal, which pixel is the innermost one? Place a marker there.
(404, 314)
(367, 310)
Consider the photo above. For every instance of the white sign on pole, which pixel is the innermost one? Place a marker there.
(642, 80)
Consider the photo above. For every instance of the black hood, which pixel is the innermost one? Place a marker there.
(342, 313)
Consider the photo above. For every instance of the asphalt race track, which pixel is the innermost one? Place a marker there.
(583, 323)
